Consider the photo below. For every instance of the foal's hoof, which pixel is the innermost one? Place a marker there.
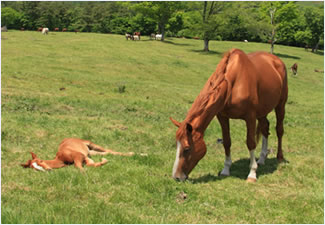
(251, 180)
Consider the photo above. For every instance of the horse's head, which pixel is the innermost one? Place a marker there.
(36, 163)
(190, 149)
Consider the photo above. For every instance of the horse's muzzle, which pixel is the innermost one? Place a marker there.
(183, 177)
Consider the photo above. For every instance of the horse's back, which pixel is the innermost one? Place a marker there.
(271, 80)
(258, 82)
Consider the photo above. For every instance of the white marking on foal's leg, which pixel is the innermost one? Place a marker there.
(264, 152)
(177, 158)
(253, 167)
(226, 169)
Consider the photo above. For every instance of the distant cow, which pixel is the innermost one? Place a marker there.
(45, 31)
(137, 34)
(64, 29)
(22, 29)
(294, 69)
(40, 29)
(158, 36)
(196, 38)
(76, 30)
(56, 29)
(245, 41)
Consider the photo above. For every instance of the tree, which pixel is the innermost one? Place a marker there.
(315, 24)
(211, 21)
(160, 12)
(9, 17)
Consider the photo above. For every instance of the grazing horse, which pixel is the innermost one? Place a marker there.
(294, 69)
(72, 150)
(244, 86)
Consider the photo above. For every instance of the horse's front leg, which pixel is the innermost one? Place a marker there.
(251, 144)
(224, 122)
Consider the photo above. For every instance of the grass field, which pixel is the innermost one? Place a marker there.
(120, 94)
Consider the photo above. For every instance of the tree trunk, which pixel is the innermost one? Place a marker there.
(162, 32)
(206, 44)
(314, 49)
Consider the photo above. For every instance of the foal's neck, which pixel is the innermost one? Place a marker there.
(55, 163)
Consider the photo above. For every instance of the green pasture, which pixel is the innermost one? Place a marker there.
(120, 94)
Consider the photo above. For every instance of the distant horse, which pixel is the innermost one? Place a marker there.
(128, 36)
(294, 69)
(137, 34)
(244, 86)
(158, 36)
(45, 31)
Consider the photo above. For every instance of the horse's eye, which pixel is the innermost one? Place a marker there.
(186, 149)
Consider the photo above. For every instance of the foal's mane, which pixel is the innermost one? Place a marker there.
(211, 89)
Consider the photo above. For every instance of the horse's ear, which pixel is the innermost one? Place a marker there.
(26, 165)
(189, 128)
(34, 156)
(176, 123)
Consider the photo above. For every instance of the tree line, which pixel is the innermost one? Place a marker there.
(289, 23)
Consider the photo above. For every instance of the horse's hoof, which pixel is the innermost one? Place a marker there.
(222, 175)
(251, 180)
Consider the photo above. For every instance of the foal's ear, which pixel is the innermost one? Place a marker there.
(34, 156)
(176, 123)
(189, 128)
(26, 165)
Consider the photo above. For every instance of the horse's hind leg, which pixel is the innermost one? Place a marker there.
(280, 111)
(263, 127)
(224, 122)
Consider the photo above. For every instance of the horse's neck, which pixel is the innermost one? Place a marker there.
(209, 102)
(55, 163)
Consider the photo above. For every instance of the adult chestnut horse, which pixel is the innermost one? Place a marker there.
(244, 86)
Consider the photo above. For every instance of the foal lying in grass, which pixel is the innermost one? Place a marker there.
(73, 150)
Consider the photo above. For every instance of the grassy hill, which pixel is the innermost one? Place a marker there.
(120, 94)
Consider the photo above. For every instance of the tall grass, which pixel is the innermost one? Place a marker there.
(120, 94)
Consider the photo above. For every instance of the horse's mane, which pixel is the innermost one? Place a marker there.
(211, 89)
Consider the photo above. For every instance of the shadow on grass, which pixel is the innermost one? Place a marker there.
(240, 169)
(173, 43)
(286, 56)
(207, 53)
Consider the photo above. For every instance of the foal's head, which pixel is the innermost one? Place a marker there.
(36, 163)
(190, 149)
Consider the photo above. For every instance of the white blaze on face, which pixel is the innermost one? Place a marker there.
(34, 164)
(177, 158)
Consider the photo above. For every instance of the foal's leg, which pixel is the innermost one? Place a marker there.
(224, 122)
(280, 111)
(90, 162)
(251, 144)
(78, 160)
(263, 126)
